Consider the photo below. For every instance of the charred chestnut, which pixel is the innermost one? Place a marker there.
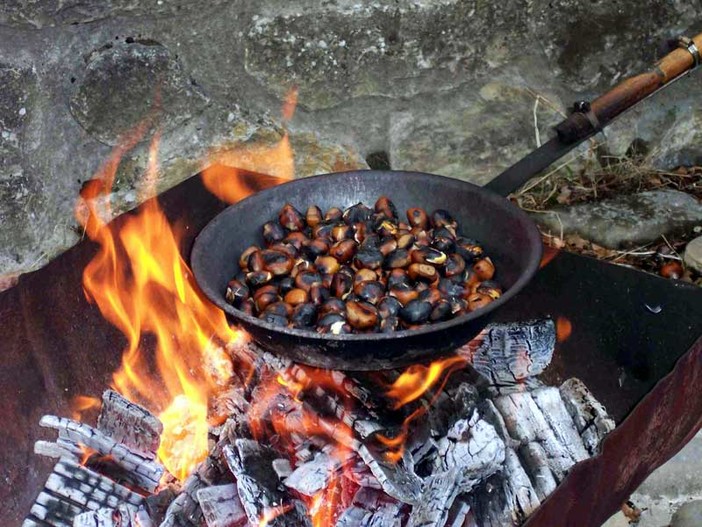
(341, 285)
(343, 251)
(333, 214)
(441, 311)
(455, 265)
(399, 258)
(272, 232)
(361, 315)
(357, 213)
(236, 293)
(258, 278)
(244, 258)
(424, 272)
(478, 300)
(370, 291)
(313, 216)
(428, 255)
(484, 269)
(296, 297)
(332, 305)
(389, 307)
(442, 218)
(303, 316)
(291, 218)
(306, 279)
(416, 312)
(368, 258)
(326, 264)
(417, 218)
(386, 207)
(276, 262)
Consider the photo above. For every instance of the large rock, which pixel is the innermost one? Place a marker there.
(688, 515)
(693, 254)
(627, 221)
(126, 85)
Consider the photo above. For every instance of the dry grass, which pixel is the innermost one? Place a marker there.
(565, 186)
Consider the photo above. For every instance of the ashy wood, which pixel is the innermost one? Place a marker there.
(121, 516)
(72, 489)
(145, 473)
(130, 424)
(588, 414)
(221, 506)
(438, 494)
(510, 354)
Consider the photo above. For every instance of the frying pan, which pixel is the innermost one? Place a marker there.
(508, 235)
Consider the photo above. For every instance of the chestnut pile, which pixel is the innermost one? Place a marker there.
(362, 270)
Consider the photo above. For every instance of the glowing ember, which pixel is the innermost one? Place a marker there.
(564, 328)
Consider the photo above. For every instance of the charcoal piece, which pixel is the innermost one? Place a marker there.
(396, 479)
(492, 415)
(221, 506)
(526, 424)
(455, 403)
(143, 472)
(506, 498)
(438, 494)
(313, 476)
(508, 354)
(371, 511)
(458, 513)
(120, 516)
(157, 505)
(130, 424)
(72, 489)
(549, 401)
(535, 462)
(473, 448)
(260, 490)
(590, 417)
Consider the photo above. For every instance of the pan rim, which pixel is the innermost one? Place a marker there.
(198, 254)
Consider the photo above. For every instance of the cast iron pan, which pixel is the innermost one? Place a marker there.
(507, 234)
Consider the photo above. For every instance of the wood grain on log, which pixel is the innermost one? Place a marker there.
(221, 506)
(130, 424)
(588, 414)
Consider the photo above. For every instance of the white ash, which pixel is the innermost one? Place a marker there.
(221, 506)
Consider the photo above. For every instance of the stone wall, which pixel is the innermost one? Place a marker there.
(456, 87)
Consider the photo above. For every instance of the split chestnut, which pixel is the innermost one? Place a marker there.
(362, 270)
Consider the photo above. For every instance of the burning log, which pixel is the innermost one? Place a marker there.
(71, 490)
(371, 508)
(130, 424)
(221, 506)
(259, 487)
(122, 516)
(438, 494)
(472, 447)
(313, 476)
(525, 423)
(396, 479)
(589, 415)
(506, 498)
(510, 354)
(142, 471)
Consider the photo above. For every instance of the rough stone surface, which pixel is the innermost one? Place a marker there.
(125, 85)
(627, 221)
(693, 254)
(677, 482)
(688, 515)
(455, 87)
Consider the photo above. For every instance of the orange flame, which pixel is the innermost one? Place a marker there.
(417, 379)
(564, 328)
(222, 175)
(142, 285)
(83, 403)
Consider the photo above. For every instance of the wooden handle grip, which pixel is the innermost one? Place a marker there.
(629, 92)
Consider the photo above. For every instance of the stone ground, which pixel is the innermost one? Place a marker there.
(662, 496)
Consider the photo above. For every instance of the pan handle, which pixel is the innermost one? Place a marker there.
(589, 118)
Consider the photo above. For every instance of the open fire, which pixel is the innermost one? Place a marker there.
(240, 437)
